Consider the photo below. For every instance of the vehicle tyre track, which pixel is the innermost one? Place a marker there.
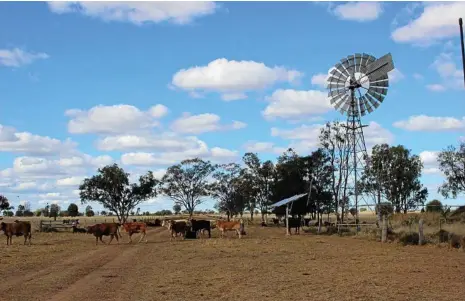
(103, 283)
(45, 283)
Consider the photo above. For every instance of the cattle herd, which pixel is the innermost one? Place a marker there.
(187, 228)
(190, 228)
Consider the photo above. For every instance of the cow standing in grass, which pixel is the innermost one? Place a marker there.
(17, 228)
(224, 226)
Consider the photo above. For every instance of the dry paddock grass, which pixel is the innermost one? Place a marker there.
(264, 265)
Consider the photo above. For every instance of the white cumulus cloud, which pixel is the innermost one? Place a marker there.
(202, 123)
(430, 162)
(438, 21)
(232, 78)
(431, 123)
(114, 119)
(294, 104)
(320, 79)
(17, 57)
(450, 75)
(358, 11)
(26, 143)
(137, 12)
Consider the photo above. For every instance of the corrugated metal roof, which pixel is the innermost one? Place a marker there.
(288, 200)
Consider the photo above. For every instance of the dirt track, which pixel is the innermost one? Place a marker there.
(263, 265)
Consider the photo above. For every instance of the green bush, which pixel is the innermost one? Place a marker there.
(434, 206)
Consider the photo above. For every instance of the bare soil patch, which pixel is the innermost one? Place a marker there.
(264, 265)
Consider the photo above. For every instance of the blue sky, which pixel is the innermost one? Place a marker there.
(149, 84)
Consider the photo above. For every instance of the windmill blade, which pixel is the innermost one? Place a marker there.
(367, 60)
(336, 79)
(339, 67)
(337, 73)
(369, 104)
(369, 108)
(373, 102)
(334, 93)
(345, 64)
(351, 61)
(358, 62)
(336, 85)
(376, 96)
(382, 91)
(336, 98)
(346, 105)
(383, 80)
(380, 84)
(341, 102)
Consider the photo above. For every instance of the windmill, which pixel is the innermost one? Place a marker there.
(357, 86)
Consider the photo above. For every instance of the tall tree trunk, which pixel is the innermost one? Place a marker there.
(251, 214)
(379, 205)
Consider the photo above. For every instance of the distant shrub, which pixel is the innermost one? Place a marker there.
(363, 209)
(434, 206)
(28, 213)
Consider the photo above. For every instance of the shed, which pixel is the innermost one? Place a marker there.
(287, 202)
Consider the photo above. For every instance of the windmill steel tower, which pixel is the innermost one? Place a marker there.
(357, 86)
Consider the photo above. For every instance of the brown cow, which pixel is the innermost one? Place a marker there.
(17, 228)
(104, 229)
(176, 227)
(237, 226)
(136, 227)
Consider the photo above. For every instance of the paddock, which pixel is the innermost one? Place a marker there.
(263, 265)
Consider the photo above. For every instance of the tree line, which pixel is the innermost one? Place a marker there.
(391, 176)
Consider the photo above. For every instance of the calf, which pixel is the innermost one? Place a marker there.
(104, 229)
(137, 227)
(200, 226)
(237, 226)
(176, 227)
(16, 228)
(79, 230)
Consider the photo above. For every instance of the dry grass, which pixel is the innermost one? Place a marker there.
(264, 265)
